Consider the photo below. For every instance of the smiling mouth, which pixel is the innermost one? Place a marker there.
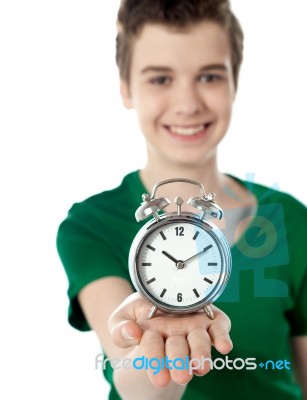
(187, 131)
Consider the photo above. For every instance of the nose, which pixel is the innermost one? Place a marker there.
(188, 100)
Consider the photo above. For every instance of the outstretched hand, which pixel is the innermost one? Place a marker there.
(174, 336)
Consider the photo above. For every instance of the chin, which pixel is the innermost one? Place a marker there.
(192, 160)
(185, 162)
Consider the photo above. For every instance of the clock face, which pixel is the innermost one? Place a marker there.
(181, 265)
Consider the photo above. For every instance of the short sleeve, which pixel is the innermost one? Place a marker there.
(87, 253)
(298, 315)
(296, 224)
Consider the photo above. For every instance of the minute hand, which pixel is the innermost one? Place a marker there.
(198, 254)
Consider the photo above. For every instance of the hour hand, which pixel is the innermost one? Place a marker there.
(170, 257)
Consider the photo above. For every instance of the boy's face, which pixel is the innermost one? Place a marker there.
(181, 87)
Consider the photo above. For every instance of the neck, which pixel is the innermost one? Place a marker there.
(206, 173)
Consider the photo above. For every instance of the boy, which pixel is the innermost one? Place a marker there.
(179, 63)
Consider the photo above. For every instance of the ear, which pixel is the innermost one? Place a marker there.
(234, 91)
(125, 94)
(234, 95)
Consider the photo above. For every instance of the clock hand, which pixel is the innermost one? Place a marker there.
(170, 257)
(198, 254)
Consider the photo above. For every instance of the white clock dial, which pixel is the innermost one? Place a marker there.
(180, 264)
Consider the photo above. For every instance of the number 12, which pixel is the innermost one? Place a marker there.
(179, 231)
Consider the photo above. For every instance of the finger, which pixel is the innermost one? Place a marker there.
(126, 334)
(200, 352)
(177, 352)
(219, 332)
(152, 347)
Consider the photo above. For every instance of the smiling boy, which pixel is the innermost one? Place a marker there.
(179, 63)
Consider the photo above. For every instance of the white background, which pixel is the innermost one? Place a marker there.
(65, 136)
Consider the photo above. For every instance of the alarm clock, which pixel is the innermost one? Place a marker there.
(179, 261)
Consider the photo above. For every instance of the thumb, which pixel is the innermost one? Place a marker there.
(122, 324)
(219, 332)
(126, 334)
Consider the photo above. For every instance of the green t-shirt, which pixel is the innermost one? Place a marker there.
(266, 297)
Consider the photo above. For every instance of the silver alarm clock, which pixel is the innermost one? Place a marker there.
(179, 261)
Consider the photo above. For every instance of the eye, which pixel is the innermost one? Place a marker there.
(210, 78)
(160, 80)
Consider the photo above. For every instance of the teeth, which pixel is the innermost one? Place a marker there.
(186, 131)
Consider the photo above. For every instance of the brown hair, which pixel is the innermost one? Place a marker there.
(133, 15)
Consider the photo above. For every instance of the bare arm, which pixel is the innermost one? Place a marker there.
(299, 346)
(110, 307)
(98, 300)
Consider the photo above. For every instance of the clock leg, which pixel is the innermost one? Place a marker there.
(152, 312)
(209, 312)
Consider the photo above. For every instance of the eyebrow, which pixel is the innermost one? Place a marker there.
(154, 68)
(214, 66)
